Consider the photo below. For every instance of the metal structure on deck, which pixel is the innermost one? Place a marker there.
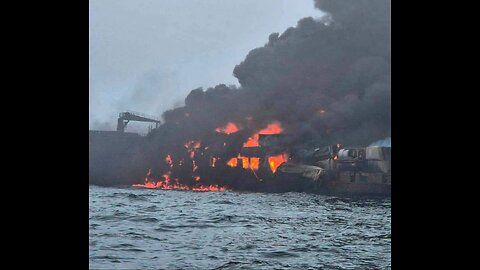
(125, 117)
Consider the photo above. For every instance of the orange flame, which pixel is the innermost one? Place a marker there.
(272, 128)
(245, 163)
(254, 163)
(229, 128)
(232, 162)
(275, 161)
(168, 184)
(165, 186)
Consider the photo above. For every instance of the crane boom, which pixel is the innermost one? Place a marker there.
(125, 117)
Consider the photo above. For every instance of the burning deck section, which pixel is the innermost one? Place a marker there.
(216, 164)
(260, 162)
(264, 162)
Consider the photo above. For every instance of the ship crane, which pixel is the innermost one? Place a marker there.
(125, 117)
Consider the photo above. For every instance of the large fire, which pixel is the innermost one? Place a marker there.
(228, 128)
(275, 161)
(247, 163)
(168, 184)
(195, 152)
(254, 162)
(272, 128)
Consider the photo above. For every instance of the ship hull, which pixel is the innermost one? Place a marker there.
(348, 183)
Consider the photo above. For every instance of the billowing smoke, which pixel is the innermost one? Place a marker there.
(327, 81)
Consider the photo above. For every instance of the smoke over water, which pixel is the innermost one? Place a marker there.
(325, 81)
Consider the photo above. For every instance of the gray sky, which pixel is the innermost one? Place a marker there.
(146, 55)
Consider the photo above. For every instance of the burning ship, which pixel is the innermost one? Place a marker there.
(263, 162)
(308, 105)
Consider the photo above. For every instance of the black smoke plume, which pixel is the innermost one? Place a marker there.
(327, 81)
